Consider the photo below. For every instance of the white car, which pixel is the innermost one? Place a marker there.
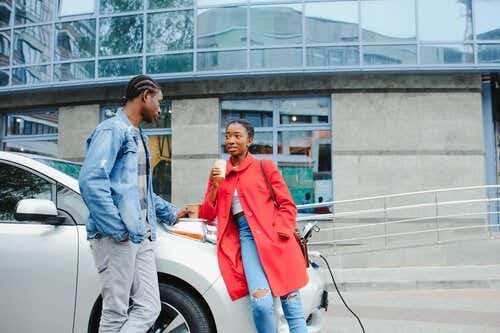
(48, 282)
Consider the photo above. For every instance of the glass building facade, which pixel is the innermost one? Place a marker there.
(61, 42)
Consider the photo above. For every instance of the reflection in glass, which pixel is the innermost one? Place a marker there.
(170, 63)
(120, 35)
(170, 31)
(305, 161)
(72, 7)
(298, 111)
(489, 53)
(446, 54)
(333, 56)
(390, 55)
(31, 75)
(276, 24)
(75, 40)
(4, 77)
(38, 147)
(120, 67)
(160, 147)
(4, 48)
(257, 111)
(32, 123)
(276, 58)
(34, 11)
(5, 13)
(262, 144)
(32, 45)
(222, 27)
(68, 200)
(487, 24)
(388, 20)
(74, 71)
(157, 4)
(445, 20)
(218, 2)
(18, 184)
(331, 22)
(222, 60)
(116, 6)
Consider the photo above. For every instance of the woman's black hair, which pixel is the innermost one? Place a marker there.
(137, 85)
(245, 123)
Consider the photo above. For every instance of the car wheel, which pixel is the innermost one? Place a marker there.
(182, 312)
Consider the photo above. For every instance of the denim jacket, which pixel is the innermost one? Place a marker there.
(109, 184)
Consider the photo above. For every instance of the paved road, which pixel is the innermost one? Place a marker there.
(411, 311)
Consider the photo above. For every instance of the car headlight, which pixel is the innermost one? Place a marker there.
(196, 229)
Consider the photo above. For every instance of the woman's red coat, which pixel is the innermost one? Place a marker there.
(281, 257)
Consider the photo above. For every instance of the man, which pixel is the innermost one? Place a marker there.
(116, 185)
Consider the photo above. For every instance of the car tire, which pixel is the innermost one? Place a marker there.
(180, 305)
(175, 301)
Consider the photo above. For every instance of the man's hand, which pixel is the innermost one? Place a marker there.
(182, 213)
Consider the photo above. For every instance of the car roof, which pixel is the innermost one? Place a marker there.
(28, 161)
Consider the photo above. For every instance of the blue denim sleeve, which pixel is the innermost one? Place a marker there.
(165, 211)
(95, 187)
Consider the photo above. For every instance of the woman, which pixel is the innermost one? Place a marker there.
(256, 248)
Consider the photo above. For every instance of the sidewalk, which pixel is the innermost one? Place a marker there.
(417, 278)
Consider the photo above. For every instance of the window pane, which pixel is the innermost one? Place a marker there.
(378, 28)
(222, 60)
(17, 184)
(75, 40)
(489, 54)
(74, 71)
(390, 55)
(170, 31)
(222, 27)
(305, 161)
(72, 7)
(34, 11)
(120, 67)
(39, 147)
(4, 77)
(449, 54)
(487, 25)
(276, 58)
(120, 35)
(156, 4)
(115, 6)
(276, 24)
(171, 63)
(72, 203)
(32, 45)
(258, 111)
(31, 75)
(5, 13)
(330, 22)
(444, 20)
(164, 121)
(4, 48)
(304, 111)
(218, 2)
(32, 123)
(160, 148)
(72, 169)
(262, 144)
(333, 56)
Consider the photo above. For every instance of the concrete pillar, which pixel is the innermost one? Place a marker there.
(195, 145)
(75, 125)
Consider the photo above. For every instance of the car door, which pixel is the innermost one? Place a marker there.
(38, 262)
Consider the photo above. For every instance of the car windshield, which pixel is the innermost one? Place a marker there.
(70, 168)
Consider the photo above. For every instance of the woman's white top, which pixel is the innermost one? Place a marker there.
(236, 205)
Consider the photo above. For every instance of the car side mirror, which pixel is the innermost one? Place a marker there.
(39, 210)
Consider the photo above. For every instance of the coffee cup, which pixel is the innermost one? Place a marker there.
(221, 164)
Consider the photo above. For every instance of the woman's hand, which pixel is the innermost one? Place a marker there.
(216, 176)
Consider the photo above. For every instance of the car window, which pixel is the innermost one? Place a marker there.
(17, 184)
(72, 203)
(69, 168)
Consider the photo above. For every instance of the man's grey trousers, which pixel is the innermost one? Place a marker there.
(127, 271)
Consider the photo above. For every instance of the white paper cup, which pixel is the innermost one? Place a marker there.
(221, 164)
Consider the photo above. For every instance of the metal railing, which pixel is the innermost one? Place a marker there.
(345, 226)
